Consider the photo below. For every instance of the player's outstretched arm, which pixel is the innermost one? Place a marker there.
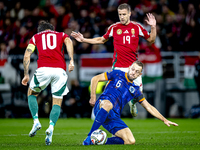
(152, 22)
(26, 63)
(168, 123)
(153, 111)
(93, 86)
(79, 37)
(70, 50)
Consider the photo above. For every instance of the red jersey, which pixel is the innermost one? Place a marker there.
(126, 38)
(50, 48)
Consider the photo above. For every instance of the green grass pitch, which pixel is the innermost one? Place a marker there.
(70, 133)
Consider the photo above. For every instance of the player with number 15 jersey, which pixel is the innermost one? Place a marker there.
(49, 45)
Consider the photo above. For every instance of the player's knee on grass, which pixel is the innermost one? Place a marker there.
(107, 105)
(126, 135)
(130, 141)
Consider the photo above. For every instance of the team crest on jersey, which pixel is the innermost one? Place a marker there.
(133, 31)
(131, 89)
(119, 31)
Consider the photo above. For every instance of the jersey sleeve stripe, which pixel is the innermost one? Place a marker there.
(140, 31)
(105, 74)
(141, 28)
(111, 32)
(141, 100)
(107, 83)
(34, 40)
(113, 25)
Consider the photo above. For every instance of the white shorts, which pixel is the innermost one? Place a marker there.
(137, 81)
(44, 76)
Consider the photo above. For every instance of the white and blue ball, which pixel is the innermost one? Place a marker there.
(98, 137)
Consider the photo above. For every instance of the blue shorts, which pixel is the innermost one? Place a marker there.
(113, 122)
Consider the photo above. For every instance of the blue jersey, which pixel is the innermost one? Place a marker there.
(120, 90)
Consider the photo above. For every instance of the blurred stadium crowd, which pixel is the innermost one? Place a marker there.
(178, 27)
(178, 22)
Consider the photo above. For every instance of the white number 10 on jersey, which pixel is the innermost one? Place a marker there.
(126, 39)
(48, 43)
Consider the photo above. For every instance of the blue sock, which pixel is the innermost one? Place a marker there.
(99, 120)
(114, 140)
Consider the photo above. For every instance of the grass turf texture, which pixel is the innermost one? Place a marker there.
(70, 133)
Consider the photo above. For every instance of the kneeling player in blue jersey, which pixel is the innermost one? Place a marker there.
(107, 109)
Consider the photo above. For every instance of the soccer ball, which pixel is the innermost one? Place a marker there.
(98, 137)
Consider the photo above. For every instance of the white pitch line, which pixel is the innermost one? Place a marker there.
(170, 132)
(43, 134)
(87, 133)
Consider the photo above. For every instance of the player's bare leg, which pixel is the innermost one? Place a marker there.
(54, 115)
(126, 135)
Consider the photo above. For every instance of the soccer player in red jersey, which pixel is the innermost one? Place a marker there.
(125, 35)
(51, 70)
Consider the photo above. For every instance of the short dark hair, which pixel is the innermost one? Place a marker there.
(139, 63)
(125, 6)
(44, 25)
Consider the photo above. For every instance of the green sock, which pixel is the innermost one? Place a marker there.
(54, 115)
(133, 101)
(33, 106)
